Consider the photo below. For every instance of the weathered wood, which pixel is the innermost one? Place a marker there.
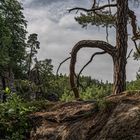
(121, 45)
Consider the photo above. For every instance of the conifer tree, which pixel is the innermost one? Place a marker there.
(101, 14)
(12, 41)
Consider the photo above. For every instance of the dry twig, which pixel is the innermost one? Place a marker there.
(61, 64)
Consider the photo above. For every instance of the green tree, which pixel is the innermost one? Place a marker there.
(41, 76)
(33, 45)
(12, 40)
(44, 70)
(14, 20)
(4, 58)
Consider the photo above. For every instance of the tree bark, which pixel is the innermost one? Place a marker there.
(121, 45)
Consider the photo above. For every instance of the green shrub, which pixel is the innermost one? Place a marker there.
(103, 104)
(13, 117)
(96, 92)
(25, 88)
(93, 92)
(67, 95)
(39, 105)
(133, 85)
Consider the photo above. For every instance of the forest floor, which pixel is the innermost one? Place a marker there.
(115, 118)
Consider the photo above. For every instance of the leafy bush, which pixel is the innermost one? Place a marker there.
(133, 85)
(96, 92)
(13, 117)
(39, 105)
(67, 95)
(25, 88)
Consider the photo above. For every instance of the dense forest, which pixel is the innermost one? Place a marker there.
(27, 84)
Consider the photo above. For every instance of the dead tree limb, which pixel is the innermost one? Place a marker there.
(136, 46)
(111, 50)
(129, 54)
(132, 16)
(97, 53)
(61, 64)
(94, 4)
(109, 7)
(136, 34)
(107, 34)
(92, 9)
(74, 73)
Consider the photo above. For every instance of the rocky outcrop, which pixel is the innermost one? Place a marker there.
(117, 118)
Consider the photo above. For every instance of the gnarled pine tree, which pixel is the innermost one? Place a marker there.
(99, 15)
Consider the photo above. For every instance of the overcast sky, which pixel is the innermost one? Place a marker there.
(58, 32)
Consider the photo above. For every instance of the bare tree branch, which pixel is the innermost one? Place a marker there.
(109, 7)
(61, 64)
(98, 3)
(94, 4)
(129, 54)
(136, 46)
(97, 53)
(133, 22)
(136, 34)
(92, 9)
(107, 34)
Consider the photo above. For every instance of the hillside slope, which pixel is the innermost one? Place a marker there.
(118, 118)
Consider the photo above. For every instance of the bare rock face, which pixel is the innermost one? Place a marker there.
(119, 119)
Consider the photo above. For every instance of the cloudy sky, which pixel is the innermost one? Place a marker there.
(58, 32)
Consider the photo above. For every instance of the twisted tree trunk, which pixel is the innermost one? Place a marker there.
(121, 45)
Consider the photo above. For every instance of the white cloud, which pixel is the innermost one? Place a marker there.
(58, 32)
(68, 21)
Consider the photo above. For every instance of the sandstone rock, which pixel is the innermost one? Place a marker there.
(79, 120)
